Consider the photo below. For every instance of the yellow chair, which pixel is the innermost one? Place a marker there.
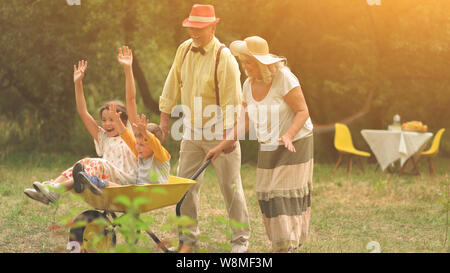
(344, 144)
(434, 149)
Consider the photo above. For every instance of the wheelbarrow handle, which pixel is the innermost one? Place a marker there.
(202, 167)
(178, 208)
(196, 174)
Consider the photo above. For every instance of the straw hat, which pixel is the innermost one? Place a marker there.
(256, 47)
(201, 16)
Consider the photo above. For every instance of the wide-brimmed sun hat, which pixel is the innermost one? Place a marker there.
(201, 16)
(256, 47)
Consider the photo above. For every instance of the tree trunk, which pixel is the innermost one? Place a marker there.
(130, 25)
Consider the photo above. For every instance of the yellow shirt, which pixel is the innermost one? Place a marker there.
(159, 152)
(194, 77)
(155, 169)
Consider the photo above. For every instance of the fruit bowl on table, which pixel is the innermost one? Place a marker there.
(414, 126)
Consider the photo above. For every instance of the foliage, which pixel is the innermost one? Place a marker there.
(342, 51)
(403, 213)
(444, 200)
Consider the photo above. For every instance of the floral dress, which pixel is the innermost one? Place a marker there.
(118, 163)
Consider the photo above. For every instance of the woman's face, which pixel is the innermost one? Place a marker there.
(251, 67)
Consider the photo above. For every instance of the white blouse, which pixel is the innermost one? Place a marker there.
(272, 116)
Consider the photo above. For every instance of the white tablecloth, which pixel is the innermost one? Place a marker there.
(390, 146)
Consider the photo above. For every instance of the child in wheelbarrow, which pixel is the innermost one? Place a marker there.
(153, 158)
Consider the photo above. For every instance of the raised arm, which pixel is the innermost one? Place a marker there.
(123, 131)
(125, 58)
(159, 152)
(88, 120)
(115, 116)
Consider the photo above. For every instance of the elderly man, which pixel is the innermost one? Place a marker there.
(205, 74)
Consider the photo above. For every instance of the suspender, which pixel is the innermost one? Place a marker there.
(185, 53)
(216, 80)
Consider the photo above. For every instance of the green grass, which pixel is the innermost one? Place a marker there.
(401, 213)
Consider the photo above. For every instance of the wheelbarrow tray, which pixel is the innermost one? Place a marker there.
(158, 195)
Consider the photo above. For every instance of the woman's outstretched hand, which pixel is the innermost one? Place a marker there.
(78, 72)
(125, 56)
(287, 141)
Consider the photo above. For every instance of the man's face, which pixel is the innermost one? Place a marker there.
(201, 36)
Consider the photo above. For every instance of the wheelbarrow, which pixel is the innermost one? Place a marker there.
(90, 224)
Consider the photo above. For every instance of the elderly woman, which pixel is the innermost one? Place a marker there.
(273, 101)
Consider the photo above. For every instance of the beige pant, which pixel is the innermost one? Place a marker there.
(227, 167)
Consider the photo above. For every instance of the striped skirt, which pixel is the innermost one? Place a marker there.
(283, 188)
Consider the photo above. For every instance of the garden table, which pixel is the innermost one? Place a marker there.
(389, 146)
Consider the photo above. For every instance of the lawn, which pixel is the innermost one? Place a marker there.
(400, 213)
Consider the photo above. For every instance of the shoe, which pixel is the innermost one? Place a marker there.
(43, 188)
(239, 248)
(90, 182)
(183, 248)
(172, 249)
(78, 187)
(35, 195)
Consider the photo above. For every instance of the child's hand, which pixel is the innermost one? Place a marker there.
(141, 124)
(78, 72)
(117, 121)
(125, 56)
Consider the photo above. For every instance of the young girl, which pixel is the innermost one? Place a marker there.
(118, 162)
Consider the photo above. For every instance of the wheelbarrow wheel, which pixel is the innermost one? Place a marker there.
(93, 232)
